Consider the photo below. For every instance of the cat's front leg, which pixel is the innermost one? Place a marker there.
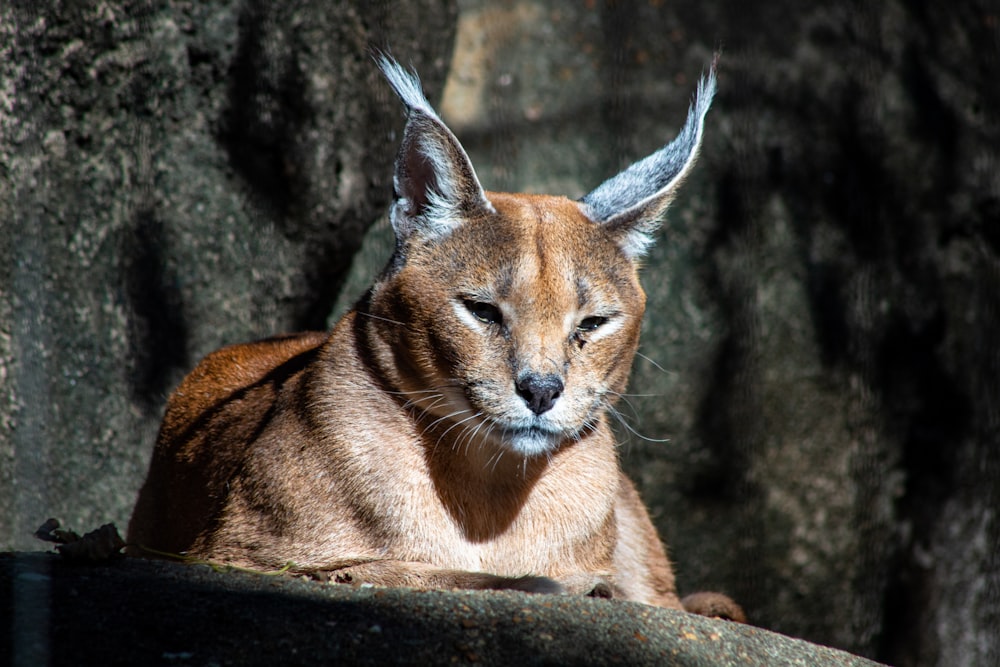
(423, 576)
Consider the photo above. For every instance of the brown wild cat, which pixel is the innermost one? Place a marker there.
(451, 430)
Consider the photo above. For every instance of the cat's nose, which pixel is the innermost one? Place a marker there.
(540, 392)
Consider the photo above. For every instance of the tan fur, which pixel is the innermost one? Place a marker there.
(397, 449)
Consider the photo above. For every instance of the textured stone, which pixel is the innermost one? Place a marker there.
(138, 612)
(176, 176)
(824, 301)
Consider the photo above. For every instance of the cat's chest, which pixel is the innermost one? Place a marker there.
(543, 526)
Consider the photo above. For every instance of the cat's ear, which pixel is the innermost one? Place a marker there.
(436, 187)
(631, 205)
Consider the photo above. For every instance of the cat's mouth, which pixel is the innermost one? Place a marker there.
(526, 435)
(532, 440)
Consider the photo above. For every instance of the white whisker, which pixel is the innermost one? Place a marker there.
(624, 399)
(467, 435)
(440, 400)
(494, 460)
(458, 423)
(446, 418)
(381, 319)
(658, 366)
(474, 435)
(620, 418)
(415, 402)
(409, 392)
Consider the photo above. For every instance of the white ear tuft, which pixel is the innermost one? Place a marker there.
(436, 186)
(406, 84)
(633, 202)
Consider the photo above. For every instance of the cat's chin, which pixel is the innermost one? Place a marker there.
(531, 441)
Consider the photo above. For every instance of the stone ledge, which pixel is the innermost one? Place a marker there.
(136, 612)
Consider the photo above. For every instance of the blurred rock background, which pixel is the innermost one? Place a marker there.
(815, 420)
(176, 176)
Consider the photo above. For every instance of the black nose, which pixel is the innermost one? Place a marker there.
(540, 392)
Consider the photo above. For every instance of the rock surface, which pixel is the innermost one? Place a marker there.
(136, 612)
(824, 301)
(174, 176)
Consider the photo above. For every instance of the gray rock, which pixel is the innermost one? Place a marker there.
(176, 176)
(824, 301)
(143, 612)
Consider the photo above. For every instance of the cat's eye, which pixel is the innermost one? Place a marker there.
(484, 312)
(588, 324)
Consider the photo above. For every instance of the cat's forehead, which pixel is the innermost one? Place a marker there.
(553, 231)
(539, 242)
(538, 215)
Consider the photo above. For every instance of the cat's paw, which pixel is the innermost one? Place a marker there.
(714, 605)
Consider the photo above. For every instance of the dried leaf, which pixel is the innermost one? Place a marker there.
(96, 546)
(50, 532)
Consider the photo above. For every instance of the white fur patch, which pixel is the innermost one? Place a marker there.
(407, 86)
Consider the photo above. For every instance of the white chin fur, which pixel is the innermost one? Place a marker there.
(525, 440)
(531, 442)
